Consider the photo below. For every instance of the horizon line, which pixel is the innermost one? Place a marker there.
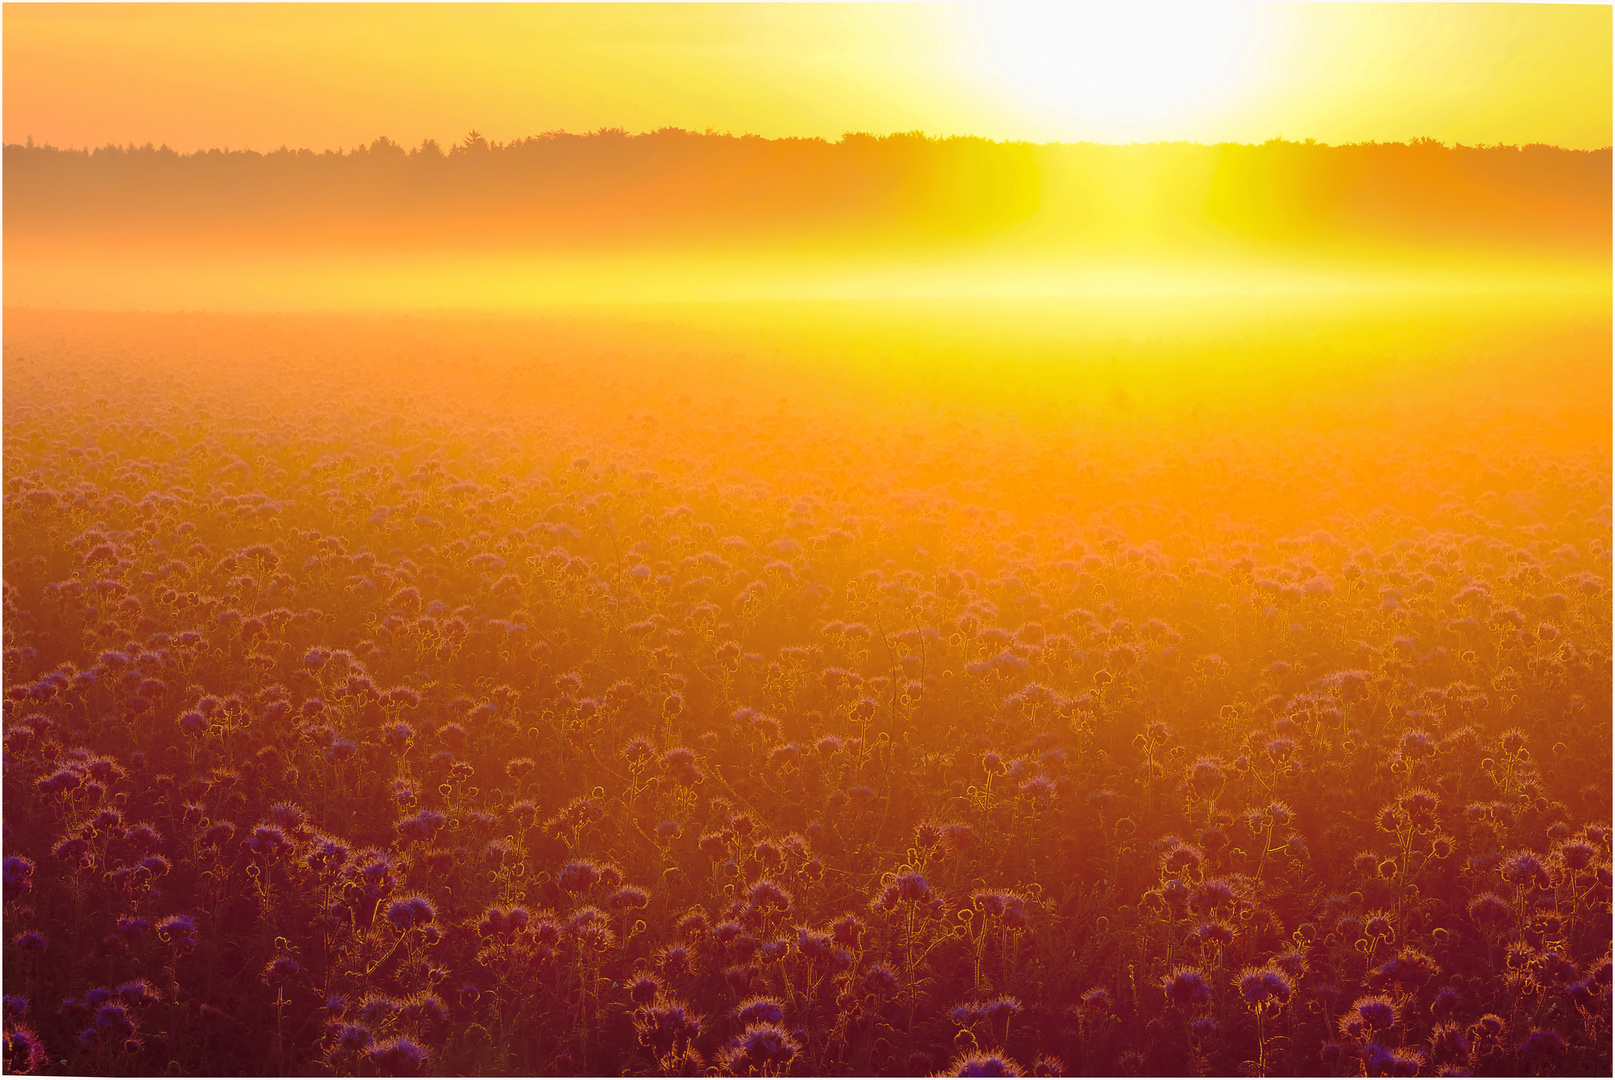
(475, 141)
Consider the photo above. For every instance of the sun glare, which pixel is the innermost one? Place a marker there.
(1117, 72)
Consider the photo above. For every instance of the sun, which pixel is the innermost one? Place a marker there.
(1117, 72)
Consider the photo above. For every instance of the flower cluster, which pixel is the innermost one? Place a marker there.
(426, 713)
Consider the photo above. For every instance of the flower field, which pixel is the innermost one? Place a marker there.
(407, 696)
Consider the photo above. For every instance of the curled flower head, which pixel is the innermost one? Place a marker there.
(1006, 907)
(179, 929)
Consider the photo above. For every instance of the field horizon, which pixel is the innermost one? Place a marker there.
(673, 216)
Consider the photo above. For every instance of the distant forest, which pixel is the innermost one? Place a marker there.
(610, 188)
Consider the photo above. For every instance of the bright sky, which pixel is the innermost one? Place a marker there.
(329, 76)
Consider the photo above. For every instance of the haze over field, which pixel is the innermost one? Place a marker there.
(674, 215)
(807, 540)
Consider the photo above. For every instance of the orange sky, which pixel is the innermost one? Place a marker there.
(327, 76)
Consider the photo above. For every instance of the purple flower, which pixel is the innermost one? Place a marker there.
(18, 875)
(1096, 1001)
(24, 1051)
(280, 969)
(983, 1064)
(422, 826)
(760, 1010)
(377, 1009)
(760, 1048)
(1541, 1043)
(914, 888)
(643, 990)
(218, 834)
(1186, 987)
(1524, 870)
(423, 1009)
(113, 1020)
(628, 897)
(968, 1014)
(409, 912)
(666, 1027)
(999, 1010)
(138, 992)
(880, 980)
(579, 875)
(267, 841)
(1262, 987)
(398, 1056)
(814, 947)
(1368, 1015)
(765, 895)
(1448, 1043)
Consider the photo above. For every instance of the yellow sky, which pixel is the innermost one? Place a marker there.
(329, 76)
